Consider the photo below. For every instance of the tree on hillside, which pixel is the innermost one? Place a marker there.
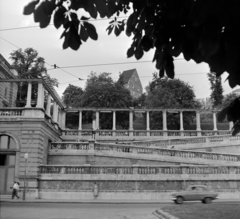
(102, 91)
(217, 89)
(72, 95)
(204, 31)
(171, 94)
(29, 65)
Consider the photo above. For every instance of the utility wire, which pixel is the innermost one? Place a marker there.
(19, 28)
(199, 73)
(45, 61)
(114, 63)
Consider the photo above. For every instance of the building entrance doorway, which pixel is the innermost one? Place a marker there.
(7, 163)
(7, 169)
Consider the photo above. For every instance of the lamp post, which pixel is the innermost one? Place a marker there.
(24, 184)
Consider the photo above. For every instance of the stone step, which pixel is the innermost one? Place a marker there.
(4, 197)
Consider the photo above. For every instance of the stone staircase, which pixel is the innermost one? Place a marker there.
(136, 170)
(111, 154)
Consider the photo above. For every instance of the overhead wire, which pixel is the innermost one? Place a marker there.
(45, 61)
(28, 27)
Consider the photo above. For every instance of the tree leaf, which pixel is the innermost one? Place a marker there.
(89, 6)
(101, 7)
(139, 53)
(49, 6)
(41, 17)
(130, 52)
(29, 8)
(83, 33)
(91, 31)
(161, 73)
(109, 29)
(74, 41)
(58, 17)
(117, 31)
(66, 35)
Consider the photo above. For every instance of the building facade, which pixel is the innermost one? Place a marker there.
(132, 82)
(8, 91)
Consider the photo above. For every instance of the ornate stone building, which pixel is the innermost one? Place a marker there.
(8, 92)
(132, 82)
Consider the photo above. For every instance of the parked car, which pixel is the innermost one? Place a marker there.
(195, 193)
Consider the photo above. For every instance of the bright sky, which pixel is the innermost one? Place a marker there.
(108, 49)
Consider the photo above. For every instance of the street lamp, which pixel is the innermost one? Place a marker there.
(24, 184)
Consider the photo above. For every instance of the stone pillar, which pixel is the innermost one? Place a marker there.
(181, 123)
(199, 131)
(214, 122)
(97, 119)
(40, 96)
(29, 95)
(48, 108)
(148, 123)
(164, 113)
(55, 111)
(230, 125)
(80, 121)
(114, 123)
(130, 123)
(63, 118)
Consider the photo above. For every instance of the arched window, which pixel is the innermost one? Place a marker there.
(7, 142)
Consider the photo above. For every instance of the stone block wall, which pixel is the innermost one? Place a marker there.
(99, 160)
(135, 185)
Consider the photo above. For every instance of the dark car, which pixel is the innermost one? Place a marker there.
(195, 193)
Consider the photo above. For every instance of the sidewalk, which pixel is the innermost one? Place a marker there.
(101, 201)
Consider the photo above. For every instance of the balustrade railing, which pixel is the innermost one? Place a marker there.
(88, 169)
(69, 146)
(184, 141)
(148, 151)
(7, 112)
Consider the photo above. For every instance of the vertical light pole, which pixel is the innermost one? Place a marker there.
(24, 184)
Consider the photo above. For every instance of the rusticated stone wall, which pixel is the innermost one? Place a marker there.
(134, 186)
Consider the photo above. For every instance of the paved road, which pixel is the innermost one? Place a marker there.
(11, 210)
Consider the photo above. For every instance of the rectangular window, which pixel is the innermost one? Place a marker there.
(6, 92)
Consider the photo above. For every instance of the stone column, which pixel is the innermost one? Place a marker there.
(130, 123)
(97, 119)
(214, 122)
(48, 108)
(230, 125)
(181, 123)
(80, 121)
(148, 123)
(114, 123)
(130, 120)
(164, 113)
(63, 118)
(55, 112)
(29, 95)
(199, 133)
(40, 98)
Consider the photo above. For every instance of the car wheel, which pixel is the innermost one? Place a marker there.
(179, 200)
(207, 200)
